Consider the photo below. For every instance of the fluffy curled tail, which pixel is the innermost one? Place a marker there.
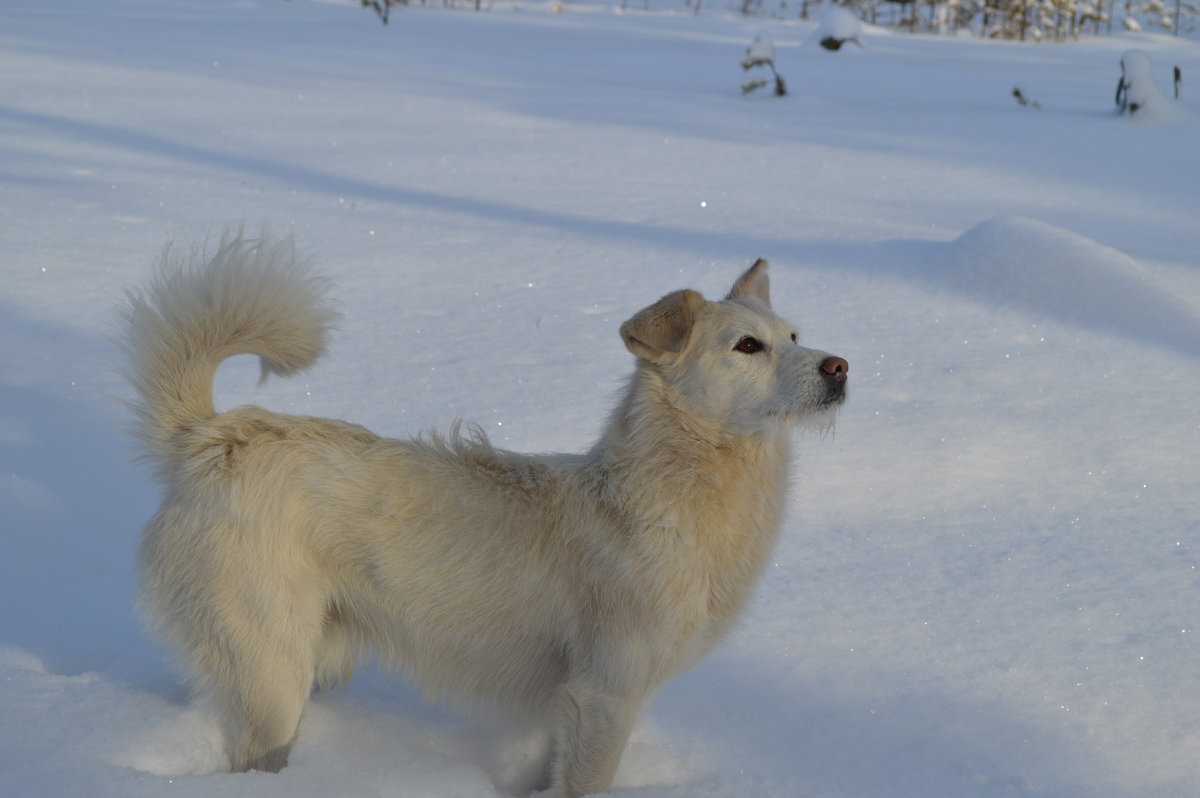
(250, 296)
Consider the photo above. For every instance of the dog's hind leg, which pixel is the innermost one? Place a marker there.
(270, 686)
(261, 667)
(270, 714)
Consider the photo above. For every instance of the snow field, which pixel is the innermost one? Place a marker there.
(988, 582)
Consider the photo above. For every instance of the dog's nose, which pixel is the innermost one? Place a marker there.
(836, 368)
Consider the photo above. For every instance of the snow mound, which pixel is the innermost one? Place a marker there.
(17, 658)
(189, 743)
(1053, 271)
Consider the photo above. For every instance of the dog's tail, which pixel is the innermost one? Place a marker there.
(251, 296)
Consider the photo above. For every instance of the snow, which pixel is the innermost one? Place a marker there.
(987, 584)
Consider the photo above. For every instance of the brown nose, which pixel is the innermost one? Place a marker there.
(836, 368)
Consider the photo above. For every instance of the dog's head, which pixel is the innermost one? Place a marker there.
(735, 363)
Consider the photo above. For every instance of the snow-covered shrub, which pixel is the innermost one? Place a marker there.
(1138, 94)
(761, 52)
(1057, 20)
(383, 8)
(1023, 99)
(1135, 89)
(838, 26)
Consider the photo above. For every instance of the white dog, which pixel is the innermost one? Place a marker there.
(566, 588)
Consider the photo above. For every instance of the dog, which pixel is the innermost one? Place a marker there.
(563, 588)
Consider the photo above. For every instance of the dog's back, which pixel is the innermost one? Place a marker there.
(354, 543)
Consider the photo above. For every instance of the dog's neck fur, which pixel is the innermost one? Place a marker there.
(726, 491)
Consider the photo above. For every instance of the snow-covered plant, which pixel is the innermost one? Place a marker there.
(838, 26)
(1137, 93)
(1167, 14)
(382, 8)
(761, 52)
(1038, 20)
(1023, 99)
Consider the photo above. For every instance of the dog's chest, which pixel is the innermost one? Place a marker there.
(708, 571)
(735, 557)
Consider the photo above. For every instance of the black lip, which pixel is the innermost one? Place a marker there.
(836, 395)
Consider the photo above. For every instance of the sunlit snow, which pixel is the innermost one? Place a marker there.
(988, 579)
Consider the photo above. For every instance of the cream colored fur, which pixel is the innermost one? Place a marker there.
(564, 588)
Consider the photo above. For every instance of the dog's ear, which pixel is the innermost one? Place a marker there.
(753, 283)
(659, 332)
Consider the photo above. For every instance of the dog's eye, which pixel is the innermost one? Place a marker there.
(749, 345)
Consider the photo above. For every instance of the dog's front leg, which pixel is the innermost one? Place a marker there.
(593, 727)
